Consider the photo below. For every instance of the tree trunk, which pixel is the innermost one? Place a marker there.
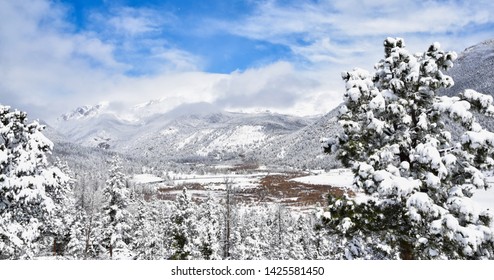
(111, 251)
(88, 235)
(54, 247)
(406, 250)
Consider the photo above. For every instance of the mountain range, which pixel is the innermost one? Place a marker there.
(196, 133)
(202, 132)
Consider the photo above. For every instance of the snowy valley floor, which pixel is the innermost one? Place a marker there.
(294, 188)
(291, 188)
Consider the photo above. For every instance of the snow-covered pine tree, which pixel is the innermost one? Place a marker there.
(27, 182)
(141, 232)
(95, 236)
(149, 237)
(230, 216)
(303, 234)
(279, 241)
(58, 230)
(418, 180)
(210, 229)
(251, 234)
(164, 221)
(76, 246)
(116, 219)
(186, 243)
(322, 243)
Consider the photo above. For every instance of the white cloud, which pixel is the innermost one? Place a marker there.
(278, 87)
(173, 88)
(325, 31)
(43, 63)
(132, 22)
(324, 51)
(48, 68)
(176, 60)
(410, 16)
(276, 23)
(137, 34)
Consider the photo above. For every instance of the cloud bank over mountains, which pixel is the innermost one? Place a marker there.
(284, 56)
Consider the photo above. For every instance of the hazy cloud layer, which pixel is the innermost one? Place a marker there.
(274, 87)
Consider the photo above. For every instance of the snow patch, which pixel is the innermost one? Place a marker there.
(342, 178)
(145, 178)
(169, 131)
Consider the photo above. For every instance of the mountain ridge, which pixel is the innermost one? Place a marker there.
(473, 70)
(204, 132)
(191, 132)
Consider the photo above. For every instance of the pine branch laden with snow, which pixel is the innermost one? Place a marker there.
(29, 187)
(418, 180)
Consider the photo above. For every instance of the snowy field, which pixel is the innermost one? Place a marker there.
(340, 178)
(219, 182)
(485, 198)
(203, 185)
(251, 186)
(145, 178)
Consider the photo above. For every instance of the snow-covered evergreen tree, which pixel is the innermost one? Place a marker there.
(149, 237)
(141, 232)
(95, 236)
(116, 219)
(279, 241)
(418, 180)
(303, 232)
(184, 222)
(58, 229)
(231, 236)
(76, 246)
(210, 229)
(251, 235)
(28, 185)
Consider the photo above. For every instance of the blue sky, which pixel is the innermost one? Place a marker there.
(176, 24)
(242, 55)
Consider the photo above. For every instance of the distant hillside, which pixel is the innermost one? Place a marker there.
(202, 133)
(302, 149)
(474, 69)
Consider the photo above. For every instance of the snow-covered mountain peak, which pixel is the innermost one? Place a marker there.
(148, 104)
(149, 108)
(84, 112)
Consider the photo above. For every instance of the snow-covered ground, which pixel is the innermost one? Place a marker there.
(218, 182)
(145, 178)
(485, 198)
(208, 181)
(342, 178)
